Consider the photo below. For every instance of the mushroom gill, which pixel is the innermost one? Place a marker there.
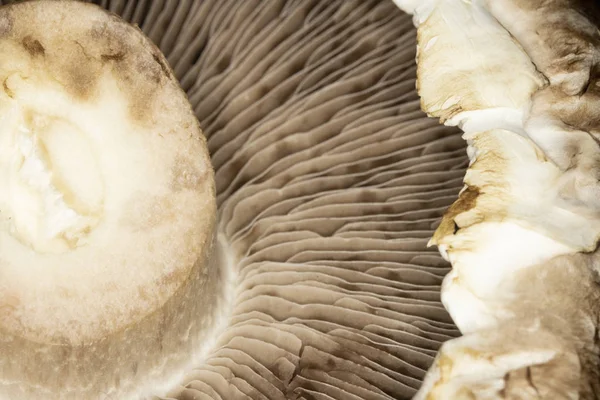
(329, 183)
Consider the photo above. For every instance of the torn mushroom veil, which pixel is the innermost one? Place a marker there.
(520, 79)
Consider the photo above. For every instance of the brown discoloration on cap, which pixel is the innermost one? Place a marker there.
(6, 23)
(163, 65)
(80, 77)
(33, 46)
(575, 112)
(7, 90)
(112, 57)
(563, 40)
(560, 36)
(79, 56)
(466, 201)
(139, 67)
(586, 7)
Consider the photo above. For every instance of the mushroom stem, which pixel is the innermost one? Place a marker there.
(108, 276)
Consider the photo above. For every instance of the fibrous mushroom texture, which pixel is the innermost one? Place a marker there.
(520, 79)
(329, 183)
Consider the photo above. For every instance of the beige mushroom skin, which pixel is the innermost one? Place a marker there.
(523, 235)
(563, 41)
(108, 277)
(547, 348)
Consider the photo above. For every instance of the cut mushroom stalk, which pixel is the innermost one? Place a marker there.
(107, 209)
(519, 78)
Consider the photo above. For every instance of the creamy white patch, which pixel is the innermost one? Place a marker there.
(51, 190)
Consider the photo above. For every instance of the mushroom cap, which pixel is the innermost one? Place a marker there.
(534, 353)
(462, 66)
(563, 41)
(529, 205)
(501, 207)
